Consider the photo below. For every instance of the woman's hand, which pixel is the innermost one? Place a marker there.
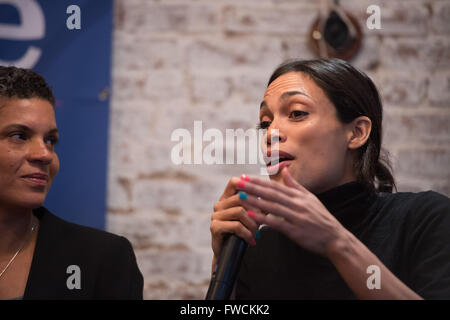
(230, 216)
(297, 213)
(294, 211)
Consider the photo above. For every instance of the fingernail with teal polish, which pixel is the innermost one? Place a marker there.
(243, 195)
(258, 235)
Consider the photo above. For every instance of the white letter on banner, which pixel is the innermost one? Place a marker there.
(32, 27)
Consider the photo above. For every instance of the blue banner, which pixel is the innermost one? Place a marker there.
(69, 43)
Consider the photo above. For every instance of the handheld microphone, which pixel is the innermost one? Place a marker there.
(226, 269)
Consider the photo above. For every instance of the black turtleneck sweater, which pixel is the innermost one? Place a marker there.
(408, 232)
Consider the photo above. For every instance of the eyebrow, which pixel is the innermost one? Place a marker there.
(25, 128)
(263, 104)
(284, 96)
(288, 94)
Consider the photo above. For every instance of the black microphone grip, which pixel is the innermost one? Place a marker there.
(227, 268)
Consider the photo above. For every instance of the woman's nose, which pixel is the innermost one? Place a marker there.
(39, 152)
(274, 134)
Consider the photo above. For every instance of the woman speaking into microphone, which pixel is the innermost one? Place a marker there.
(327, 224)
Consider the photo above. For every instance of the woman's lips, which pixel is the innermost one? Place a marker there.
(273, 169)
(281, 154)
(37, 179)
(276, 162)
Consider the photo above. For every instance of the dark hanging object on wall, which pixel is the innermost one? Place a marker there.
(335, 33)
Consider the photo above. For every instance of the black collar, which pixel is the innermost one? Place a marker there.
(348, 202)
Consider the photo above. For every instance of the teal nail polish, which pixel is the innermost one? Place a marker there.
(243, 195)
(258, 235)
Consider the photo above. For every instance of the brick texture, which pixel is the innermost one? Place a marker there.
(180, 61)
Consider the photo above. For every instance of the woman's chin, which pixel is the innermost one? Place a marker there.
(31, 202)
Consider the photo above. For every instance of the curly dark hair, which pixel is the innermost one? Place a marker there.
(24, 84)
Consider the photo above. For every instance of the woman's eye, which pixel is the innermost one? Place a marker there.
(51, 140)
(20, 136)
(297, 114)
(263, 125)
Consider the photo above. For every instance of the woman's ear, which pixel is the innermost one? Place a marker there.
(360, 132)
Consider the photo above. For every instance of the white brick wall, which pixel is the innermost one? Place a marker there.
(178, 61)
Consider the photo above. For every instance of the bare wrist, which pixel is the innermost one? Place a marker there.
(340, 246)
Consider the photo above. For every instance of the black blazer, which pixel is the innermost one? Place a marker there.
(107, 264)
